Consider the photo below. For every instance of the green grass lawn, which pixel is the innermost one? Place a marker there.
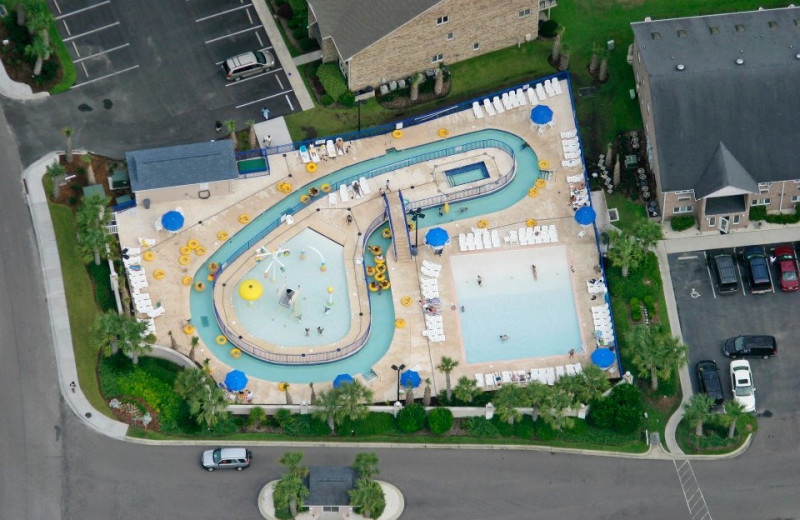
(629, 212)
(715, 435)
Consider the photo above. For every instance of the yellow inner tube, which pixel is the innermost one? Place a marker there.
(370, 271)
(373, 286)
(221, 340)
(533, 192)
(184, 260)
(284, 187)
(531, 222)
(305, 199)
(412, 226)
(380, 268)
(540, 183)
(244, 218)
(200, 286)
(193, 244)
(397, 134)
(200, 251)
(379, 277)
(159, 274)
(188, 328)
(185, 250)
(380, 261)
(386, 233)
(148, 255)
(443, 132)
(483, 224)
(385, 284)
(399, 323)
(222, 235)
(187, 281)
(376, 250)
(235, 353)
(326, 188)
(544, 164)
(406, 301)
(283, 387)
(311, 167)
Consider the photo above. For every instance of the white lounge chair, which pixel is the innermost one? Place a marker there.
(560, 372)
(331, 148)
(551, 376)
(156, 312)
(556, 83)
(571, 156)
(478, 243)
(332, 198)
(506, 101)
(506, 377)
(498, 105)
(523, 237)
(495, 238)
(345, 196)
(470, 242)
(521, 97)
(549, 88)
(476, 109)
(489, 379)
(487, 241)
(540, 92)
(569, 134)
(304, 156)
(570, 370)
(542, 376)
(512, 235)
(512, 97)
(487, 104)
(365, 189)
(578, 368)
(462, 241)
(532, 99)
(479, 378)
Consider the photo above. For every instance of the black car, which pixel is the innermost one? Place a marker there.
(723, 270)
(709, 380)
(757, 269)
(750, 346)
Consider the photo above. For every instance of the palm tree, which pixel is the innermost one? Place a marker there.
(409, 394)
(189, 382)
(575, 386)
(536, 394)
(193, 343)
(326, 407)
(114, 333)
(593, 63)
(366, 464)
(251, 135)
(93, 235)
(506, 400)
(39, 50)
(426, 397)
(554, 408)
(439, 83)
(602, 76)
(466, 389)
(288, 395)
(230, 124)
(648, 233)
(734, 411)
(68, 133)
(22, 7)
(90, 177)
(656, 354)
(624, 252)
(595, 380)
(555, 54)
(563, 59)
(293, 461)
(313, 399)
(290, 491)
(368, 497)
(446, 365)
(697, 411)
(353, 400)
(415, 81)
(56, 173)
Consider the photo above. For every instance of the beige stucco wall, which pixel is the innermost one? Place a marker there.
(179, 193)
(409, 49)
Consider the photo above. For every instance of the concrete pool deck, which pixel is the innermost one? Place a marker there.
(206, 218)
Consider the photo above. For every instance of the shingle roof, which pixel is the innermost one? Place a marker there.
(329, 486)
(752, 107)
(354, 25)
(182, 165)
(724, 171)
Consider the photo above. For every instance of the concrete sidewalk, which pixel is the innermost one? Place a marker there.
(307, 58)
(19, 91)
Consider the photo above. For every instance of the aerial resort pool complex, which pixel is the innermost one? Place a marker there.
(468, 234)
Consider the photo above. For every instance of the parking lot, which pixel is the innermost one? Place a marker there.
(174, 52)
(708, 318)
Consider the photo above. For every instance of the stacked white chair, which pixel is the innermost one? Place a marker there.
(462, 241)
(487, 104)
(476, 109)
(498, 106)
(521, 97)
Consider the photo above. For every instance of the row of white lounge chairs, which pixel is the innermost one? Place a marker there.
(545, 376)
(429, 286)
(137, 281)
(479, 239)
(603, 325)
(523, 96)
(535, 235)
(348, 191)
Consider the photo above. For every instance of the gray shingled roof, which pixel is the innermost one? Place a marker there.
(354, 25)
(724, 171)
(182, 165)
(328, 486)
(753, 108)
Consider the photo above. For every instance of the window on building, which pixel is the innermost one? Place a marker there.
(681, 33)
(437, 58)
(656, 35)
(764, 187)
(795, 198)
(739, 27)
(713, 29)
(735, 220)
(476, 46)
(682, 209)
(442, 20)
(524, 13)
(685, 199)
(712, 221)
(449, 36)
(761, 202)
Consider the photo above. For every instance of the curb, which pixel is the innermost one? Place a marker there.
(394, 497)
(19, 91)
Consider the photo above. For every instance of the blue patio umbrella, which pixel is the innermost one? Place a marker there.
(585, 216)
(172, 221)
(437, 237)
(410, 377)
(603, 357)
(342, 379)
(541, 114)
(235, 380)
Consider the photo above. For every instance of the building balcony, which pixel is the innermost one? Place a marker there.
(547, 4)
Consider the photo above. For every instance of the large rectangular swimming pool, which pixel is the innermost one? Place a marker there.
(538, 316)
(465, 174)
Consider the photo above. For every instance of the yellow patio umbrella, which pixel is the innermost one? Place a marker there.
(250, 290)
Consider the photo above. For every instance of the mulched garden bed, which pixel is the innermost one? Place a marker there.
(71, 193)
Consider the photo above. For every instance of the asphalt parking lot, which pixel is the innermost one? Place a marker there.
(708, 318)
(176, 50)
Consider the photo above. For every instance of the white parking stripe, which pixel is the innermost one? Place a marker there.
(280, 83)
(101, 53)
(710, 277)
(92, 31)
(66, 28)
(291, 107)
(234, 83)
(253, 28)
(82, 10)
(222, 13)
(106, 76)
(262, 99)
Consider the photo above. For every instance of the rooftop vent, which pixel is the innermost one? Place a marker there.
(739, 61)
(739, 27)
(797, 56)
(773, 24)
(713, 29)
(681, 33)
(680, 66)
(656, 35)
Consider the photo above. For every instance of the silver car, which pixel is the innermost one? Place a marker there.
(247, 64)
(226, 458)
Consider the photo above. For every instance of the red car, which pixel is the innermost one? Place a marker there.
(787, 265)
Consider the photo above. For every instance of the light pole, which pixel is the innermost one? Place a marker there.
(398, 369)
(416, 214)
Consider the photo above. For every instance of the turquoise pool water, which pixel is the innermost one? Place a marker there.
(301, 272)
(467, 174)
(382, 326)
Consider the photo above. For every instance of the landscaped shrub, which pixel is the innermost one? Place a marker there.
(636, 310)
(524, 428)
(650, 303)
(283, 417)
(373, 424)
(326, 100)
(103, 294)
(479, 427)
(347, 99)
(257, 417)
(440, 420)
(285, 12)
(332, 80)
(682, 222)
(306, 44)
(758, 213)
(548, 28)
(505, 429)
(411, 418)
(299, 33)
(621, 411)
(783, 218)
(543, 431)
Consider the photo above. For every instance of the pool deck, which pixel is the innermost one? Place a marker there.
(206, 218)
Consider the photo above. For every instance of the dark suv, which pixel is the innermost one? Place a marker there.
(757, 269)
(709, 381)
(750, 346)
(723, 270)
